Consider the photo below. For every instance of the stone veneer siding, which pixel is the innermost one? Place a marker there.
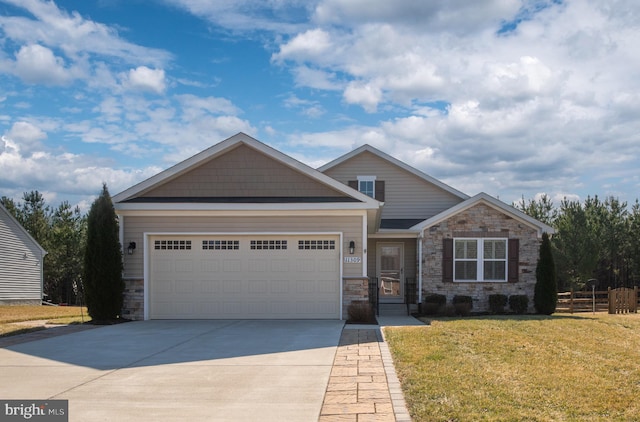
(479, 221)
(355, 289)
(133, 306)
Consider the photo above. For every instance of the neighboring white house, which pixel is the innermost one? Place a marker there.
(21, 263)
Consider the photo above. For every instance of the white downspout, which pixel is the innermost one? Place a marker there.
(419, 240)
(365, 240)
(121, 234)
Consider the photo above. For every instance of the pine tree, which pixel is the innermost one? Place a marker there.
(546, 290)
(63, 267)
(102, 280)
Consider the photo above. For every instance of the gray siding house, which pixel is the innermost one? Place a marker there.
(21, 263)
(242, 230)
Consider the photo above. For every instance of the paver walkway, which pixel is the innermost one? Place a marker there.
(363, 385)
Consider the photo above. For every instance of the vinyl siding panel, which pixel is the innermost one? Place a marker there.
(242, 172)
(135, 227)
(20, 263)
(406, 195)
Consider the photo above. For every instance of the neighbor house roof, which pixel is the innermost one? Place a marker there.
(483, 198)
(24, 231)
(395, 161)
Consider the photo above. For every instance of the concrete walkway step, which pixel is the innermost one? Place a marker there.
(395, 309)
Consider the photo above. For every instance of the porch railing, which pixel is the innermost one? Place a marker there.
(410, 293)
(374, 300)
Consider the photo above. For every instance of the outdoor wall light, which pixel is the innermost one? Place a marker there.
(131, 248)
(352, 247)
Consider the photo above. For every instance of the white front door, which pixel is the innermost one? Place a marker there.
(391, 272)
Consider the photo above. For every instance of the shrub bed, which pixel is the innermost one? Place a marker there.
(462, 304)
(519, 303)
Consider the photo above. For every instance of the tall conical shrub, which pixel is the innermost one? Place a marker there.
(545, 296)
(102, 273)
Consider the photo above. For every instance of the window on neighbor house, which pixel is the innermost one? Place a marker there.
(480, 259)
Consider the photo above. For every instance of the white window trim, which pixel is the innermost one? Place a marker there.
(367, 179)
(480, 259)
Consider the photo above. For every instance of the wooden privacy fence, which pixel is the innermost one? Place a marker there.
(583, 301)
(614, 301)
(623, 300)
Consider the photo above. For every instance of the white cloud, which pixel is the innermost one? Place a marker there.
(145, 79)
(308, 108)
(503, 96)
(457, 15)
(68, 175)
(73, 34)
(366, 95)
(58, 48)
(35, 64)
(195, 106)
(311, 44)
(314, 78)
(281, 16)
(534, 94)
(25, 136)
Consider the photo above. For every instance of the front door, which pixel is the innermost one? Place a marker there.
(390, 272)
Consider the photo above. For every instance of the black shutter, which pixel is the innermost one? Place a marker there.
(379, 190)
(514, 260)
(353, 184)
(447, 260)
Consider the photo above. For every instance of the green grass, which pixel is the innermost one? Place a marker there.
(521, 368)
(9, 315)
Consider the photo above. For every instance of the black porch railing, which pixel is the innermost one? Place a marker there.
(410, 293)
(373, 295)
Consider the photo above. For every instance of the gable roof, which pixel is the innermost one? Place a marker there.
(217, 150)
(16, 224)
(395, 161)
(483, 198)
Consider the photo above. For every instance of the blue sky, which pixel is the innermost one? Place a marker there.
(513, 98)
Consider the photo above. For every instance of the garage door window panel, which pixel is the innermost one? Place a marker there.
(172, 245)
(221, 245)
(316, 245)
(262, 245)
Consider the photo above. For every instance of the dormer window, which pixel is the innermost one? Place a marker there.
(367, 185)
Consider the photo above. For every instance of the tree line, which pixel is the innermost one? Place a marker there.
(595, 241)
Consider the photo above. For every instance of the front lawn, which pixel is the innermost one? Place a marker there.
(10, 315)
(520, 368)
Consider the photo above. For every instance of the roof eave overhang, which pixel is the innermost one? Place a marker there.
(182, 206)
(491, 202)
(395, 234)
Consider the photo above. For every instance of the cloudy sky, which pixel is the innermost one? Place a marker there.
(513, 98)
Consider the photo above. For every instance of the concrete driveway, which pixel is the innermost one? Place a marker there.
(179, 370)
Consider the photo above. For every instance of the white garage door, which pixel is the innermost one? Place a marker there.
(244, 277)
